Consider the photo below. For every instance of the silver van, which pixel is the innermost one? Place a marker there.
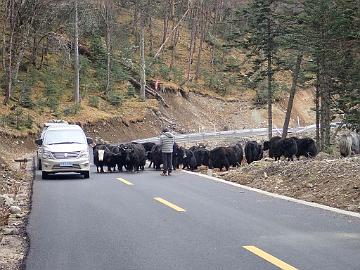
(64, 149)
(46, 126)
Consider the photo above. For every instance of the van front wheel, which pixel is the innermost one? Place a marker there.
(86, 174)
(44, 175)
(39, 164)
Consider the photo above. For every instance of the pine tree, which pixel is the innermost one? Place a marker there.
(260, 38)
(331, 33)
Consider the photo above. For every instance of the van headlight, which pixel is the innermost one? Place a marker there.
(48, 155)
(84, 154)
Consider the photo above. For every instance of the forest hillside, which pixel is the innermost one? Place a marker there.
(186, 64)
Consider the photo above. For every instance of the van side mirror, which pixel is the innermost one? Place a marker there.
(89, 140)
(39, 142)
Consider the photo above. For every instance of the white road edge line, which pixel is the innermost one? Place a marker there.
(282, 197)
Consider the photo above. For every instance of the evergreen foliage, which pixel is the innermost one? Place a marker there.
(94, 101)
(114, 98)
(131, 91)
(72, 110)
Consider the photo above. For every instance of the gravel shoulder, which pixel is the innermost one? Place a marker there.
(15, 201)
(326, 180)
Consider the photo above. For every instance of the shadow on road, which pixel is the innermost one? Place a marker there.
(64, 177)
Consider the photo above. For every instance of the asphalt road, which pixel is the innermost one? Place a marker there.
(107, 223)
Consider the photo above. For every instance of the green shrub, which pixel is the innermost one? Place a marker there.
(53, 103)
(216, 82)
(28, 122)
(72, 110)
(178, 75)
(98, 52)
(94, 101)
(233, 79)
(119, 74)
(17, 119)
(41, 103)
(131, 91)
(114, 98)
(164, 72)
(25, 97)
(262, 92)
(55, 86)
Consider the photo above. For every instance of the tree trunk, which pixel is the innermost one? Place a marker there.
(317, 109)
(213, 52)
(9, 76)
(292, 95)
(18, 63)
(325, 103)
(269, 75)
(174, 43)
(191, 44)
(197, 70)
(77, 65)
(24, 37)
(135, 18)
(322, 116)
(34, 51)
(166, 21)
(4, 51)
(142, 56)
(108, 46)
(269, 96)
(171, 34)
(327, 112)
(151, 49)
(10, 21)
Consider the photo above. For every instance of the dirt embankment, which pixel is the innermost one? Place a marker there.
(198, 112)
(326, 180)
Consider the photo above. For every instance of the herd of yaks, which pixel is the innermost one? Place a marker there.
(133, 156)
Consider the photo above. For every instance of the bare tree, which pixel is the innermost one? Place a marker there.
(10, 22)
(203, 21)
(317, 109)
(107, 8)
(292, 95)
(192, 42)
(174, 30)
(142, 54)
(77, 65)
(166, 20)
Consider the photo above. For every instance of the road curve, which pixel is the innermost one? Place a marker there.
(145, 221)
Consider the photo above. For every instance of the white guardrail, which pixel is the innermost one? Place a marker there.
(240, 133)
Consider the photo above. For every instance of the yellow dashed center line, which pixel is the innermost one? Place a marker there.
(271, 259)
(125, 182)
(169, 204)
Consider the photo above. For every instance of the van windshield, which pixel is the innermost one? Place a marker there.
(64, 137)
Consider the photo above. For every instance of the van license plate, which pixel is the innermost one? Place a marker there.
(65, 164)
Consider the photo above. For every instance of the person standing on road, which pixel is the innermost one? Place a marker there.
(167, 141)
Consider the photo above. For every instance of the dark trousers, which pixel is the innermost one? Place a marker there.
(167, 161)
